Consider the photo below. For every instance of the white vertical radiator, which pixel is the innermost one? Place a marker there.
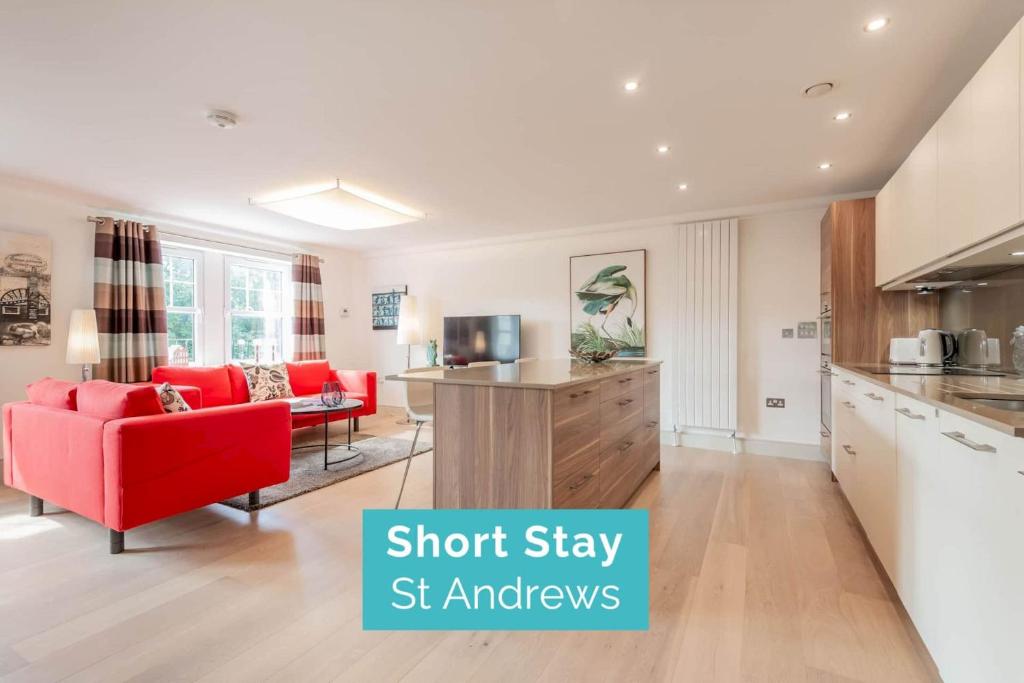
(706, 311)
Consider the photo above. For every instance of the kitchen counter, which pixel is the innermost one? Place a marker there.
(538, 374)
(941, 392)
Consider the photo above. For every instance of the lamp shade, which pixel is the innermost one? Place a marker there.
(408, 321)
(83, 340)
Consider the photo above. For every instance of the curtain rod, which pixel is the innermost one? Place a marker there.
(94, 219)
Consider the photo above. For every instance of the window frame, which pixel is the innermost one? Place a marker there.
(285, 316)
(198, 297)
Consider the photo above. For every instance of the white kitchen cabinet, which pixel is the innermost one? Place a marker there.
(996, 107)
(875, 443)
(980, 561)
(922, 509)
(962, 184)
(956, 198)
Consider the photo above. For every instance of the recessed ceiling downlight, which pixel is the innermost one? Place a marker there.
(876, 24)
(221, 118)
(631, 86)
(824, 166)
(843, 116)
(683, 186)
(663, 149)
(819, 89)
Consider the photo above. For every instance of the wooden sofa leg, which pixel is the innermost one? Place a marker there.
(116, 542)
(355, 424)
(254, 498)
(35, 506)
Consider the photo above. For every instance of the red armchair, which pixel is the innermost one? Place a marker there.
(124, 472)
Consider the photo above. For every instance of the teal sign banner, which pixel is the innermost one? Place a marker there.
(566, 570)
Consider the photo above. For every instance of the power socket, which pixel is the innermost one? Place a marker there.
(775, 403)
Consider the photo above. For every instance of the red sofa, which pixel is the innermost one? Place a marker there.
(225, 385)
(108, 452)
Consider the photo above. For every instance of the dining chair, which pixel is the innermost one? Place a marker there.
(419, 406)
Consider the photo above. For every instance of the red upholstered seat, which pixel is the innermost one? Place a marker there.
(214, 382)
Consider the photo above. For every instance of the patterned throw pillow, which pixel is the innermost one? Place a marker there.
(267, 381)
(171, 400)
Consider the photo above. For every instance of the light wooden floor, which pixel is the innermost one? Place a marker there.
(757, 574)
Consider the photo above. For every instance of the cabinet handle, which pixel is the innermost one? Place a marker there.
(626, 446)
(825, 434)
(961, 438)
(582, 393)
(849, 405)
(874, 397)
(849, 383)
(652, 423)
(583, 480)
(625, 402)
(908, 413)
(849, 450)
(652, 372)
(624, 381)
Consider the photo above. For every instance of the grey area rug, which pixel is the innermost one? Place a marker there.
(308, 464)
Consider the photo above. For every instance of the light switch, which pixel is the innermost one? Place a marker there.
(787, 332)
(807, 330)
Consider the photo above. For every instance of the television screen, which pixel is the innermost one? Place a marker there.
(468, 339)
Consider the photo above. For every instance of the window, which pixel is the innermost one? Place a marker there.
(256, 292)
(182, 293)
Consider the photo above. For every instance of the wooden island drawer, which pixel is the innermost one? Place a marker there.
(569, 465)
(620, 465)
(621, 415)
(651, 444)
(580, 491)
(614, 387)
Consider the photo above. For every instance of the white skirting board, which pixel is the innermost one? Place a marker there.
(725, 442)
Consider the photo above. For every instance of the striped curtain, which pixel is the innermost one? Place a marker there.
(308, 321)
(128, 296)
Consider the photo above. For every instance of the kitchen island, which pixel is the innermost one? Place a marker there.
(543, 434)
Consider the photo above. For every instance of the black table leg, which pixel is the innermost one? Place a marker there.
(325, 440)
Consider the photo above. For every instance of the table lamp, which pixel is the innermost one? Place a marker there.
(83, 341)
(408, 326)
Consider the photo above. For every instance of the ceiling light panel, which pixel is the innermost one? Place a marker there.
(340, 206)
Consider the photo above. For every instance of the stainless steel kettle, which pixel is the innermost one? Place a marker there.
(935, 347)
(972, 348)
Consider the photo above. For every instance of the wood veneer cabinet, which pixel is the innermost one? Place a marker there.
(523, 438)
(864, 318)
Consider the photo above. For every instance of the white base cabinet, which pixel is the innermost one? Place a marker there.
(941, 499)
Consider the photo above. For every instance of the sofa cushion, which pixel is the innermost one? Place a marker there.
(267, 381)
(214, 382)
(171, 400)
(53, 393)
(308, 377)
(113, 401)
(239, 385)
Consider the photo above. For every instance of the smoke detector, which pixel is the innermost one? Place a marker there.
(221, 118)
(819, 89)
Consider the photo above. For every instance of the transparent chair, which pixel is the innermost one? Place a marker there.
(419, 406)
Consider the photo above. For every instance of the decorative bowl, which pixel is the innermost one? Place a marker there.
(593, 356)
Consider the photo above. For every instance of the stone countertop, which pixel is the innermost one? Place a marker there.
(537, 374)
(941, 391)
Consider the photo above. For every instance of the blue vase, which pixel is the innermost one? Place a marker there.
(432, 352)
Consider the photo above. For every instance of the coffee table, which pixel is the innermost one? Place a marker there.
(348, 405)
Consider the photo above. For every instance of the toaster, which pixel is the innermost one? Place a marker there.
(903, 350)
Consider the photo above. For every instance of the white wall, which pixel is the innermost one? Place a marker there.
(23, 210)
(779, 285)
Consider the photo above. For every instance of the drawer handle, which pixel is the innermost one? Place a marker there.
(583, 480)
(652, 423)
(849, 450)
(626, 446)
(828, 372)
(849, 383)
(624, 381)
(652, 372)
(582, 393)
(874, 397)
(625, 402)
(849, 405)
(961, 438)
(908, 413)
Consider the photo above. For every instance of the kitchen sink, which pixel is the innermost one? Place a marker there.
(1012, 403)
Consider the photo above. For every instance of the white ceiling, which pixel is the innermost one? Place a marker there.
(494, 118)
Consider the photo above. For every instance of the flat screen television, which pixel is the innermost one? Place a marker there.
(472, 338)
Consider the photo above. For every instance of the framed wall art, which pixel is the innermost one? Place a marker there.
(25, 305)
(608, 299)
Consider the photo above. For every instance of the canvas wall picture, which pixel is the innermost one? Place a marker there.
(385, 303)
(25, 269)
(608, 299)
